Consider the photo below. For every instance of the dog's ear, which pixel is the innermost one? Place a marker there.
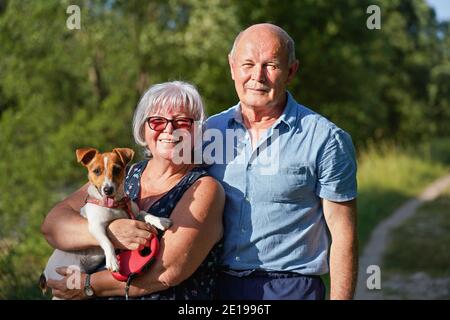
(85, 155)
(125, 154)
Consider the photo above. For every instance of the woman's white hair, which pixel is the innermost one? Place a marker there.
(175, 96)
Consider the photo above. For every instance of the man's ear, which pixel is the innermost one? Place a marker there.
(125, 154)
(231, 63)
(292, 71)
(85, 155)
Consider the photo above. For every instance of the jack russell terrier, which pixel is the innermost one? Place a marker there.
(106, 202)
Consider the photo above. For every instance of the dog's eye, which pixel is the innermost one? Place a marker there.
(97, 171)
(116, 170)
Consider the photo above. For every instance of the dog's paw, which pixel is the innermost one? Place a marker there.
(112, 264)
(165, 223)
(159, 223)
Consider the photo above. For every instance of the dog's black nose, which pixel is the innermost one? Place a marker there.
(108, 190)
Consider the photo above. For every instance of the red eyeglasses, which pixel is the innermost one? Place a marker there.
(160, 123)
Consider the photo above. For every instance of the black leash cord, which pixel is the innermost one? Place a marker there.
(127, 286)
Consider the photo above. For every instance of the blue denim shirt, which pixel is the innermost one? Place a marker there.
(273, 218)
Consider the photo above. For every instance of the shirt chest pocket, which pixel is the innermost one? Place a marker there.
(289, 184)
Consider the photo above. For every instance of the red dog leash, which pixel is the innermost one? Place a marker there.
(131, 262)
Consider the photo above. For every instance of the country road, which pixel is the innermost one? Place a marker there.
(380, 237)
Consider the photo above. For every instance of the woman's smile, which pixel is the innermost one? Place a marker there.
(169, 141)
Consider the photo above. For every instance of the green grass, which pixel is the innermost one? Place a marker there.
(389, 175)
(21, 263)
(421, 244)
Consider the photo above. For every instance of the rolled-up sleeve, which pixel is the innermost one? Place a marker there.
(337, 168)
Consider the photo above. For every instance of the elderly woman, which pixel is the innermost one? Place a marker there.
(163, 124)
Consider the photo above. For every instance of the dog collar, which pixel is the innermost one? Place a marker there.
(124, 204)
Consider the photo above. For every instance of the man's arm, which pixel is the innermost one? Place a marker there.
(341, 221)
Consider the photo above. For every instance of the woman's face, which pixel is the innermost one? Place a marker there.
(170, 140)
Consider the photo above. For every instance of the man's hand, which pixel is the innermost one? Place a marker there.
(129, 234)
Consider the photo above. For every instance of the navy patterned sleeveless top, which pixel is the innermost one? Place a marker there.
(201, 285)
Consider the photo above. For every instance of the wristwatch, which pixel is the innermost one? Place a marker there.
(87, 287)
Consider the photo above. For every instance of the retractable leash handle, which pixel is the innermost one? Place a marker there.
(131, 262)
(136, 262)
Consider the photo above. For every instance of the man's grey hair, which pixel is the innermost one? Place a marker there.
(285, 37)
(175, 96)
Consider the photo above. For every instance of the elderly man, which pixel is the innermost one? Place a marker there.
(290, 182)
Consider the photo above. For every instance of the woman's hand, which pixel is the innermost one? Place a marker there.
(129, 234)
(71, 287)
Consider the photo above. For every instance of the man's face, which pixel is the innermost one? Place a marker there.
(260, 70)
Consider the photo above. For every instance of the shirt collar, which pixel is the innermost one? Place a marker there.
(235, 116)
(288, 117)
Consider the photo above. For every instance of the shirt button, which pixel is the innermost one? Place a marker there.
(237, 258)
(243, 230)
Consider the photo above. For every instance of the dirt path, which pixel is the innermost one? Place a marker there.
(379, 240)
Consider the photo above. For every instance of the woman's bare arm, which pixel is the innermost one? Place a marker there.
(64, 228)
(197, 226)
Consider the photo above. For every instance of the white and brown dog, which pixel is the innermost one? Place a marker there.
(107, 202)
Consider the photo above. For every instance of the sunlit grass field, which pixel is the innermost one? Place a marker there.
(421, 243)
(416, 264)
(388, 175)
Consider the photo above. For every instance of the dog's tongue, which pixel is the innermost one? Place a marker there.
(108, 201)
